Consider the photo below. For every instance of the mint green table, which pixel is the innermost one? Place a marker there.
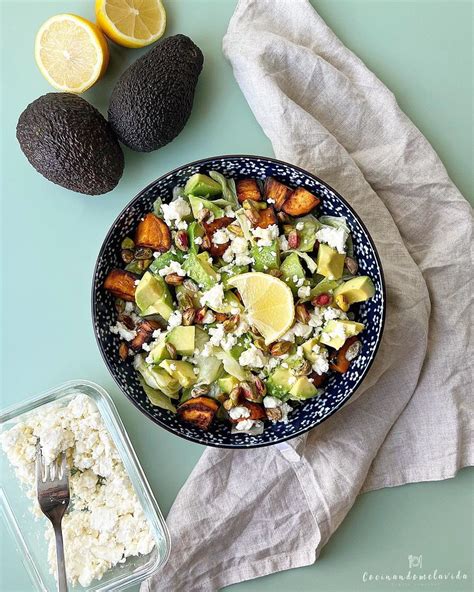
(50, 239)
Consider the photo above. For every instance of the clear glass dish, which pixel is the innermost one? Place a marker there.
(28, 531)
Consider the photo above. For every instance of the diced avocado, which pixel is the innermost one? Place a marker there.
(152, 296)
(160, 352)
(200, 338)
(302, 389)
(330, 262)
(308, 352)
(198, 203)
(156, 397)
(279, 383)
(266, 258)
(195, 230)
(202, 185)
(227, 383)
(356, 289)
(165, 259)
(336, 331)
(323, 287)
(200, 270)
(292, 271)
(308, 233)
(181, 371)
(183, 339)
(232, 272)
(157, 378)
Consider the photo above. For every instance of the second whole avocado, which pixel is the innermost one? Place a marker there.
(153, 98)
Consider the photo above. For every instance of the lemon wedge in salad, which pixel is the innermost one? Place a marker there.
(268, 302)
(131, 23)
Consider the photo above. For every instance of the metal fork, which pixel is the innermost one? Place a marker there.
(52, 489)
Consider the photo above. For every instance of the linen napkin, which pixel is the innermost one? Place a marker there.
(247, 513)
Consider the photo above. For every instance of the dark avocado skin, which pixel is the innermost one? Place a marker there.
(70, 143)
(153, 98)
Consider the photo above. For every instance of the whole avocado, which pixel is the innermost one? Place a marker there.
(70, 143)
(153, 98)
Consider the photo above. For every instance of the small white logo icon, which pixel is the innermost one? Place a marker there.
(415, 561)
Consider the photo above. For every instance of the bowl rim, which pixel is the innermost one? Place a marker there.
(202, 161)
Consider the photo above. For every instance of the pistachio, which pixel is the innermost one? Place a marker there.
(250, 204)
(253, 216)
(127, 321)
(127, 255)
(260, 387)
(351, 265)
(200, 314)
(181, 240)
(203, 215)
(236, 229)
(275, 273)
(287, 228)
(206, 243)
(119, 305)
(293, 239)
(189, 314)
(260, 343)
(228, 404)
(235, 395)
(143, 253)
(170, 348)
(248, 392)
(283, 217)
(231, 323)
(143, 264)
(199, 390)
(301, 313)
(274, 414)
(123, 351)
(221, 317)
(185, 301)
(303, 368)
(174, 279)
(190, 285)
(127, 243)
(353, 351)
(280, 348)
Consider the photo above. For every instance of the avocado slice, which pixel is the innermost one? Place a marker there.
(160, 352)
(152, 296)
(183, 339)
(325, 286)
(279, 383)
(165, 259)
(156, 378)
(330, 263)
(356, 289)
(308, 352)
(227, 383)
(202, 185)
(341, 330)
(200, 270)
(152, 100)
(266, 258)
(303, 389)
(292, 271)
(181, 371)
(69, 142)
(198, 203)
(156, 397)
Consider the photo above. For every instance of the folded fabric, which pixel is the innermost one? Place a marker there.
(247, 513)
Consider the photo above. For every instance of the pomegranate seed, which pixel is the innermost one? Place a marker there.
(321, 300)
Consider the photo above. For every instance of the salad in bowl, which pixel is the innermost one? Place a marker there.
(236, 301)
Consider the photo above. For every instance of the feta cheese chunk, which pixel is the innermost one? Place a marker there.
(175, 211)
(334, 237)
(213, 297)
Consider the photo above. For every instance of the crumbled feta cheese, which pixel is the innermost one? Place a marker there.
(239, 245)
(175, 211)
(175, 319)
(222, 339)
(145, 347)
(243, 260)
(229, 212)
(334, 237)
(198, 240)
(228, 255)
(265, 236)
(173, 267)
(213, 297)
(104, 523)
(136, 282)
(304, 291)
(330, 313)
(283, 242)
(321, 363)
(271, 402)
(208, 318)
(285, 409)
(291, 379)
(129, 307)
(300, 226)
(120, 329)
(221, 236)
(239, 412)
(156, 334)
(244, 425)
(270, 200)
(298, 330)
(156, 254)
(253, 357)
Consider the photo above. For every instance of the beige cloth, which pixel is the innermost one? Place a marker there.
(244, 514)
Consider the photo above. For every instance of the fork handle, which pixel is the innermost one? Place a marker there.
(62, 581)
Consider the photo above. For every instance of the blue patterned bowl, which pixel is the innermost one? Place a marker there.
(339, 388)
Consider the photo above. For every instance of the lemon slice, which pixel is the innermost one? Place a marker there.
(268, 301)
(132, 23)
(71, 52)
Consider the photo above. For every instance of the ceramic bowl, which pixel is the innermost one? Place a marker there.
(339, 388)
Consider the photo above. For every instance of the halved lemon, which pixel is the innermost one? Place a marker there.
(268, 301)
(131, 23)
(71, 52)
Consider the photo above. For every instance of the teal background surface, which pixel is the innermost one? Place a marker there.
(50, 238)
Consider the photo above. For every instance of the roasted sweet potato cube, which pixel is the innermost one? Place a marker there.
(144, 334)
(199, 411)
(121, 284)
(210, 228)
(318, 379)
(153, 233)
(276, 191)
(339, 362)
(300, 202)
(248, 189)
(267, 217)
(256, 411)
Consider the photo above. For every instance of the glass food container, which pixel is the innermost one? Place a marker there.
(29, 532)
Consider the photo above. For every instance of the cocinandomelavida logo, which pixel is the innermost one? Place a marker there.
(416, 573)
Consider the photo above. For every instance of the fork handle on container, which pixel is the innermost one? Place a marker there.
(62, 581)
